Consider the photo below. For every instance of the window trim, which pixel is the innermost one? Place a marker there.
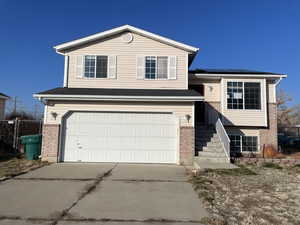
(156, 64)
(100, 78)
(241, 141)
(243, 109)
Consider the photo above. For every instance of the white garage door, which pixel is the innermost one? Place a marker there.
(120, 137)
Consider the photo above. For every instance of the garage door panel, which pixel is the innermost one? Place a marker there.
(126, 143)
(120, 137)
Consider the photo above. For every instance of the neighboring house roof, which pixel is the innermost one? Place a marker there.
(3, 96)
(113, 94)
(234, 72)
(121, 29)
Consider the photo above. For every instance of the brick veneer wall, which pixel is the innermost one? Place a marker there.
(268, 135)
(187, 145)
(50, 142)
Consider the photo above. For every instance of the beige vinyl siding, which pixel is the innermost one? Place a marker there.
(238, 117)
(126, 63)
(62, 107)
(271, 90)
(212, 89)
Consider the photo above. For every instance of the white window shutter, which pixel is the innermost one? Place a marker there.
(172, 68)
(140, 67)
(79, 66)
(112, 67)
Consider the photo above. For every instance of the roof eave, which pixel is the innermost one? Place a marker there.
(210, 75)
(42, 97)
(4, 97)
(67, 45)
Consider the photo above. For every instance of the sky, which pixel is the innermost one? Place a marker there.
(260, 35)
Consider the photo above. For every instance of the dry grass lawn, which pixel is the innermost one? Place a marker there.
(12, 166)
(251, 195)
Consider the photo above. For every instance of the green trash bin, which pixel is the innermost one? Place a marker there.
(32, 146)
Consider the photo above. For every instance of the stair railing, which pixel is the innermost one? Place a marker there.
(223, 137)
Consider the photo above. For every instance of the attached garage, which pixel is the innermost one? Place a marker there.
(133, 137)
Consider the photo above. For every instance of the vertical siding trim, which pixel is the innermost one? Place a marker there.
(45, 113)
(265, 100)
(187, 71)
(222, 99)
(66, 71)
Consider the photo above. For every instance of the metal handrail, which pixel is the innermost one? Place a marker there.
(223, 137)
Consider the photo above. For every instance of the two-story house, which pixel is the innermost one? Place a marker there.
(128, 96)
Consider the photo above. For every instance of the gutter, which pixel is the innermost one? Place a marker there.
(4, 97)
(43, 98)
(207, 75)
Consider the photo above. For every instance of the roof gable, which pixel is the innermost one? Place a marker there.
(108, 33)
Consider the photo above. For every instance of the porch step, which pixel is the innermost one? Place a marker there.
(200, 163)
(211, 154)
(215, 160)
(203, 138)
(213, 149)
(209, 146)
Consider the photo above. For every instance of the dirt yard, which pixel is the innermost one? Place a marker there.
(14, 165)
(249, 195)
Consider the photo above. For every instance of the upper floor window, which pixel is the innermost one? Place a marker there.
(243, 95)
(95, 66)
(156, 67)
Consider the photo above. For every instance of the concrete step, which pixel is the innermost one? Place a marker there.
(216, 150)
(206, 140)
(212, 154)
(211, 159)
(209, 144)
(204, 164)
(205, 134)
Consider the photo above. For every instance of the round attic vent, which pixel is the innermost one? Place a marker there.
(127, 38)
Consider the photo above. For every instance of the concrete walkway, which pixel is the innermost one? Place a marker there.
(106, 193)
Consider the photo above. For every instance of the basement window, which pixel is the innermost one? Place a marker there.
(240, 143)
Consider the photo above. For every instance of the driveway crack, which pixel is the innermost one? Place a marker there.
(87, 190)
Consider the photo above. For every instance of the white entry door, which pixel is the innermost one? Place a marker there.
(120, 137)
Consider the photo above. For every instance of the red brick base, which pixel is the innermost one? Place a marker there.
(187, 145)
(50, 142)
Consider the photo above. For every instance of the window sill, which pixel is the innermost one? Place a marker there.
(94, 78)
(244, 110)
(158, 79)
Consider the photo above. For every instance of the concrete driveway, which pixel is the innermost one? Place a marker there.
(100, 193)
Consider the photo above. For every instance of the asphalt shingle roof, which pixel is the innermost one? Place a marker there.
(230, 71)
(120, 92)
